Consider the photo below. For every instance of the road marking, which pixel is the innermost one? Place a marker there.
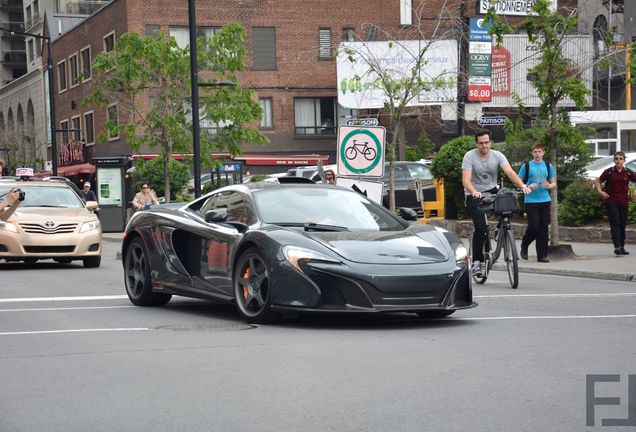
(629, 294)
(548, 317)
(74, 331)
(54, 299)
(66, 308)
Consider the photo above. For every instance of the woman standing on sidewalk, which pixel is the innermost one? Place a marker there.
(616, 197)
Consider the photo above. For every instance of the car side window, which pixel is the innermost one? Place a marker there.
(207, 205)
(234, 202)
(419, 171)
(400, 174)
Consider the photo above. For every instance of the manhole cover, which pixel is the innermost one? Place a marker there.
(207, 327)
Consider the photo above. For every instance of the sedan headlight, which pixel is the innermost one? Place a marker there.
(89, 226)
(8, 226)
(296, 254)
(461, 254)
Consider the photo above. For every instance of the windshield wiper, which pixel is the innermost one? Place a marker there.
(310, 226)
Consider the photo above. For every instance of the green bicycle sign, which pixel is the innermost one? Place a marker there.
(361, 150)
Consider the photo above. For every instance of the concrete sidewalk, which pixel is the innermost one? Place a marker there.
(593, 260)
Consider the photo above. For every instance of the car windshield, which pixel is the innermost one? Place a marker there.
(419, 171)
(46, 196)
(341, 208)
(599, 163)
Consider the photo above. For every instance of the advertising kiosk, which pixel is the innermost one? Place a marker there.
(111, 193)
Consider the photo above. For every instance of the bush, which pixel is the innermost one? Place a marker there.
(447, 165)
(580, 204)
(151, 172)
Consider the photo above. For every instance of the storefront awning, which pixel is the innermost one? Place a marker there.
(71, 170)
(282, 160)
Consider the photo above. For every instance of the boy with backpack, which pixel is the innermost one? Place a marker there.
(540, 176)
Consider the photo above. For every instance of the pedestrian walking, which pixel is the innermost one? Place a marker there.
(540, 176)
(615, 193)
(480, 167)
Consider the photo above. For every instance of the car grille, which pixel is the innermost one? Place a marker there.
(330, 293)
(40, 229)
(49, 249)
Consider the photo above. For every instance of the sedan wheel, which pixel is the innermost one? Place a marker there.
(137, 277)
(251, 288)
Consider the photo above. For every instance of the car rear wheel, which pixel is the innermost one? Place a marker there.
(251, 288)
(92, 262)
(137, 277)
(435, 313)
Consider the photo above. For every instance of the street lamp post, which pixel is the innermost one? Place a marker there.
(194, 77)
(49, 66)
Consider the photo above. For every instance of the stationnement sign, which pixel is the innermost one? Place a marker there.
(361, 151)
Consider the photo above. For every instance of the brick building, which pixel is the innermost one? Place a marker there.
(290, 64)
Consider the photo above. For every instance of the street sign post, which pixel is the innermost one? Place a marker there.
(361, 151)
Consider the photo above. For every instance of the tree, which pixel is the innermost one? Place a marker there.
(147, 77)
(152, 172)
(553, 80)
(401, 90)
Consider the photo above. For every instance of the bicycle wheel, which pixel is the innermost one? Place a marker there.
(351, 152)
(510, 253)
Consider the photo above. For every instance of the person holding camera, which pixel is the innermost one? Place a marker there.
(10, 203)
(144, 198)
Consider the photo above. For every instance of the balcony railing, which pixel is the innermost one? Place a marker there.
(12, 25)
(14, 57)
(33, 21)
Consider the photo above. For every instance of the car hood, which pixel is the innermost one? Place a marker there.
(40, 214)
(385, 247)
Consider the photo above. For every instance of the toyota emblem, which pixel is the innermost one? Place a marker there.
(49, 224)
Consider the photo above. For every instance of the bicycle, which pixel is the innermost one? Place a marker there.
(503, 204)
(352, 151)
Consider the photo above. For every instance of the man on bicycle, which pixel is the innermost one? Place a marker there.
(479, 174)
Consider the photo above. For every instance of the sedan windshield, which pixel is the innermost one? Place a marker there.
(340, 208)
(46, 196)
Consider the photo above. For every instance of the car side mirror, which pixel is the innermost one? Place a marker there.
(91, 205)
(408, 214)
(216, 215)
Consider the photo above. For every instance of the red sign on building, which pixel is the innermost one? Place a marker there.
(500, 71)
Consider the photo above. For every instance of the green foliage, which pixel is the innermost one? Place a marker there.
(148, 77)
(151, 172)
(580, 205)
(447, 165)
(573, 156)
(422, 149)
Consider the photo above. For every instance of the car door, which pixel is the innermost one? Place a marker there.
(219, 241)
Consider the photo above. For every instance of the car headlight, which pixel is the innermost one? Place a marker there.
(295, 254)
(461, 254)
(8, 226)
(89, 226)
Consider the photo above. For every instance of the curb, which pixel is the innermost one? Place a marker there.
(623, 277)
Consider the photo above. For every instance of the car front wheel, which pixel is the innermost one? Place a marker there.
(137, 277)
(252, 289)
(92, 262)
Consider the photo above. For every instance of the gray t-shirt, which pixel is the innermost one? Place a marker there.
(484, 171)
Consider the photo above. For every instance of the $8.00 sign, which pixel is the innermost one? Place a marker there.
(361, 151)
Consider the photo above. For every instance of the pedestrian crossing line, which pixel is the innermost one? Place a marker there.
(50, 309)
(54, 299)
(623, 294)
(35, 332)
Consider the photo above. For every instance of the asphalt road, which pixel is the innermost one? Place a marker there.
(75, 355)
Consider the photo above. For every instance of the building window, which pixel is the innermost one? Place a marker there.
(74, 70)
(86, 63)
(266, 118)
(324, 40)
(109, 42)
(64, 131)
(76, 123)
(406, 14)
(29, 17)
(151, 29)
(89, 128)
(30, 50)
(348, 35)
(181, 34)
(315, 116)
(373, 32)
(61, 76)
(264, 48)
(113, 120)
